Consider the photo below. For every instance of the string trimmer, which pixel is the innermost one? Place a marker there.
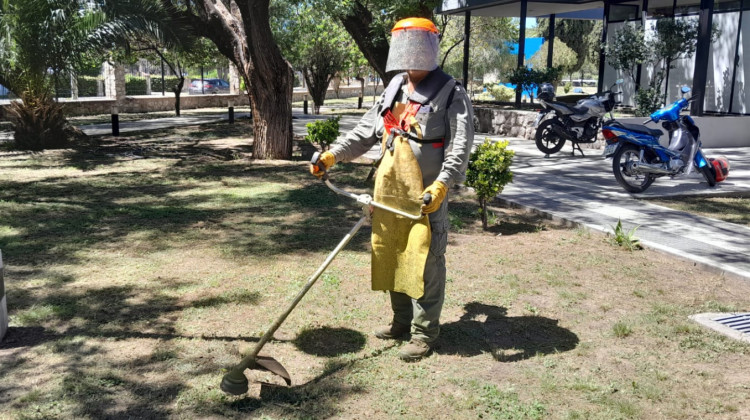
(235, 382)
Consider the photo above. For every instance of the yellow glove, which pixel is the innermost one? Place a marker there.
(327, 159)
(438, 191)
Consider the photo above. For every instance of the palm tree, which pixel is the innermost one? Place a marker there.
(38, 40)
(42, 39)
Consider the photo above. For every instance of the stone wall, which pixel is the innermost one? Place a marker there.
(132, 104)
(504, 122)
(716, 131)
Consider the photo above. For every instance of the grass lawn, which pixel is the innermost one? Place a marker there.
(733, 209)
(138, 269)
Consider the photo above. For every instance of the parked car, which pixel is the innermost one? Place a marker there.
(210, 86)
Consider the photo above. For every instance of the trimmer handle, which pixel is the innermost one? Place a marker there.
(427, 198)
(321, 167)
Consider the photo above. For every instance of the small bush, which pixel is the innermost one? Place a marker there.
(323, 132)
(647, 100)
(502, 93)
(88, 86)
(567, 87)
(169, 81)
(489, 172)
(135, 85)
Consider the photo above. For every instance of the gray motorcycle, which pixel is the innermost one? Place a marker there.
(558, 122)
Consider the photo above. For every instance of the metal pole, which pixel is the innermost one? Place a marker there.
(551, 41)
(467, 33)
(736, 55)
(521, 46)
(162, 78)
(202, 90)
(602, 57)
(115, 122)
(639, 68)
(702, 51)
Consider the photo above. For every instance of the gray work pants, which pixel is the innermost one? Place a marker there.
(423, 314)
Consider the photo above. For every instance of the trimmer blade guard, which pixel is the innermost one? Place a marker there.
(272, 365)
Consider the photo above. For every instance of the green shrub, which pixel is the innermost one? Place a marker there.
(170, 81)
(135, 85)
(489, 172)
(647, 100)
(502, 93)
(484, 96)
(567, 86)
(323, 132)
(88, 86)
(527, 79)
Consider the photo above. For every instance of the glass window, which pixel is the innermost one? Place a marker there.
(620, 12)
(726, 5)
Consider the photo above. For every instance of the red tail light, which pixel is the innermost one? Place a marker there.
(608, 134)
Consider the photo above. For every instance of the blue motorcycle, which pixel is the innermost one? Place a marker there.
(638, 158)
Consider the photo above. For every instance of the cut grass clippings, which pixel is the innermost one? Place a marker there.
(138, 270)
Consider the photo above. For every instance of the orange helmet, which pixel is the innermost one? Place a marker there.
(415, 45)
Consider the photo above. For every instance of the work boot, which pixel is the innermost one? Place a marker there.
(415, 350)
(395, 331)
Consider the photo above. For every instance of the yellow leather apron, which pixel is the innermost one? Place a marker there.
(399, 245)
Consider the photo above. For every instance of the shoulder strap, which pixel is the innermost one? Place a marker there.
(389, 95)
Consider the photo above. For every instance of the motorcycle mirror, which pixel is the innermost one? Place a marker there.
(685, 89)
(619, 81)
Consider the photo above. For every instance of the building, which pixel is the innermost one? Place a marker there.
(719, 71)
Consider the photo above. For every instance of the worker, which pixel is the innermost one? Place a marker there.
(424, 123)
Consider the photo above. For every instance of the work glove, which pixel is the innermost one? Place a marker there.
(327, 159)
(438, 191)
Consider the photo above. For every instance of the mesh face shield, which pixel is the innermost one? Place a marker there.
(413, 49)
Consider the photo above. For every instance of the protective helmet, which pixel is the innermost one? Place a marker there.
(721, 166)
(546, 92)
(415, 45)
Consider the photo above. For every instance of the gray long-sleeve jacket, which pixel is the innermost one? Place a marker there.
(438, 120)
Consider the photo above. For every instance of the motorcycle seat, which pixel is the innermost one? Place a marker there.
(639, 129)
(562, 106)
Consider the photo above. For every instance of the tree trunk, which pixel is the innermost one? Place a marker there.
(241, 31)
(483, 210)
(177, 89)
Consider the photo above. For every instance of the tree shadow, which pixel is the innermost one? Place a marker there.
(488, 329)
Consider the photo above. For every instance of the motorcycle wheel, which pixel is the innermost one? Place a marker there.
(621, 162)
(710, 174)
(547, 140)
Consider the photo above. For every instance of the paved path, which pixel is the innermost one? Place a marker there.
(583, 190)
(157, 123)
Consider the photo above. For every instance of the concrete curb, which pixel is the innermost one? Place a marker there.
(703, 263)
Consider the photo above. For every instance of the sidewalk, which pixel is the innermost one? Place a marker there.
(583, 190)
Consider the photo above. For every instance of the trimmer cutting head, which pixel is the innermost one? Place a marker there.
(235, 382)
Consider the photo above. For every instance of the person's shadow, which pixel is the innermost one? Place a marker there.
(488, 329)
